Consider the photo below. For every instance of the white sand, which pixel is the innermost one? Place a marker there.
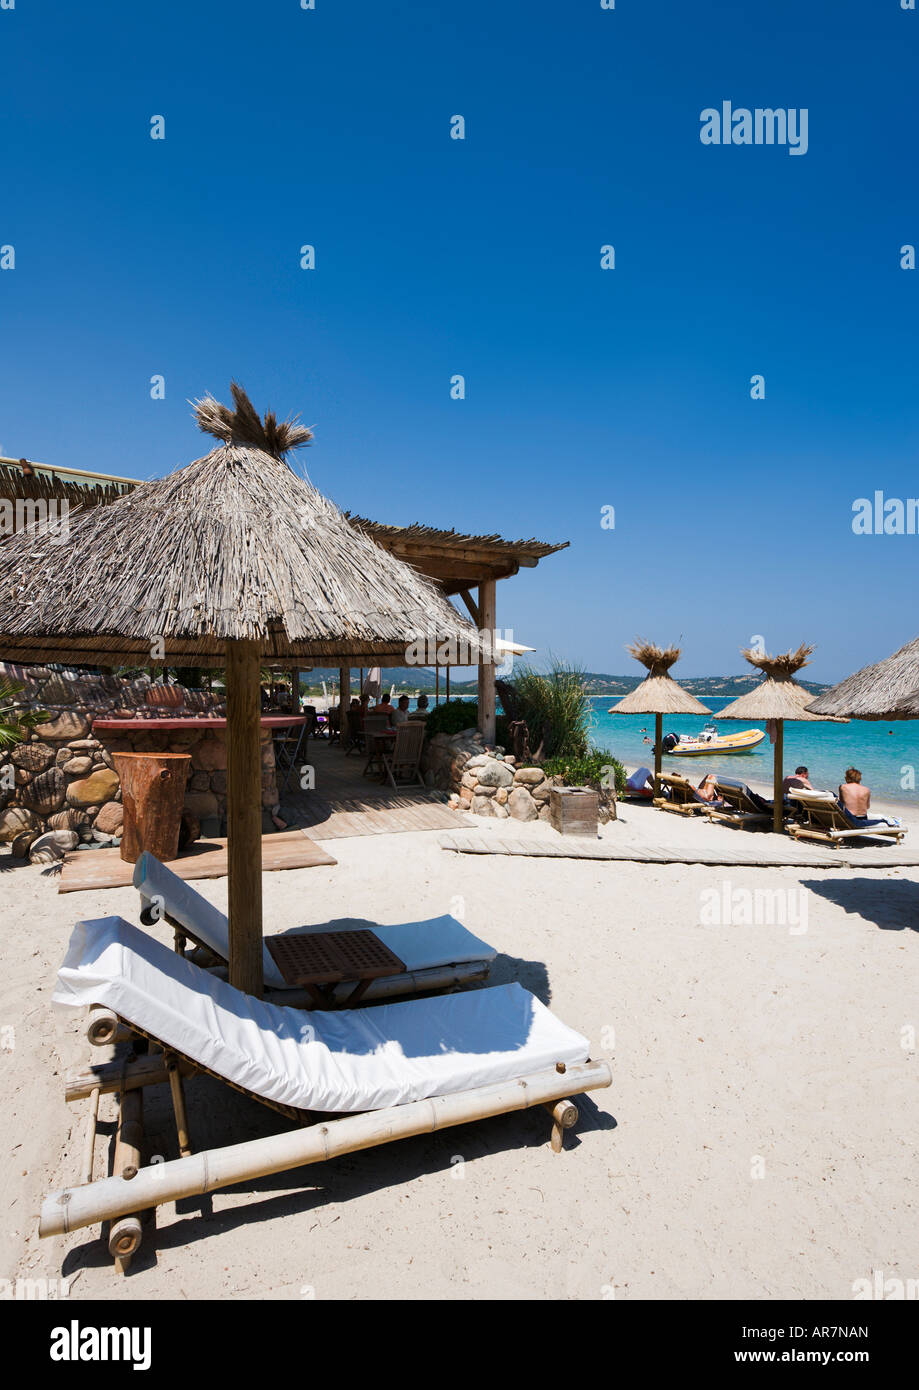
(729, 1044)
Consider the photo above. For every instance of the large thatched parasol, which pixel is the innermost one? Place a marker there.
(887, 690)
(658, 694)
(231, 561)
(778, 697)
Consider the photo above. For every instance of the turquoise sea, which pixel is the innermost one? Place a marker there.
(887, 754)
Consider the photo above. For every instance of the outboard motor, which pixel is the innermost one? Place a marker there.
(669, 742)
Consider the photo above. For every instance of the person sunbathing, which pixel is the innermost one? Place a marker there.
(854, 796)
(799, 778)
(706, 788)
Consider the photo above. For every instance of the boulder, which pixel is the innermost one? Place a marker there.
(199, 782)
(14, 821)
(478, 760)
(485, 791)
(58, 691)
(110, 818)
(84, 745)
(63, 756)
(78, 767)
(45, 793)
(62, 820)
(67, 725)
(209, 755)
(521, 805)
(93, 790)
(52, 846)
(201, 805)
(501, 795)
(529, 776)
(483, 806)
(33, 757)
(501, 811)
(495, 774)
(19, 848)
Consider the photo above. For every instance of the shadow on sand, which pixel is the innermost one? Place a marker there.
(892, 904)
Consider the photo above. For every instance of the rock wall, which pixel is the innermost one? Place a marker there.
(59, 789)
(485, 780)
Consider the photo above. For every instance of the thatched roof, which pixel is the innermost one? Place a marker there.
(234, 545)
(659, 692)
(887, 690)
(778, 695)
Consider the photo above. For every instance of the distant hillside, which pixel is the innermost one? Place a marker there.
(727, 686)
(419, 678)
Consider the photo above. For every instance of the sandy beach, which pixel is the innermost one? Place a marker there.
(757, 1142)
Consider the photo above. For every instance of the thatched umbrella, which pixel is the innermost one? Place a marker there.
(658, 694)
(887, 690)
(778, 696)
(231, 561)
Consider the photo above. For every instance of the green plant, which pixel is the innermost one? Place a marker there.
(451, 717)
(556, 710)
(16, 722)
(597, 768)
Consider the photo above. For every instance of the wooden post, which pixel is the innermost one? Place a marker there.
(778, 777)
(244, 816)
(447, 678)
(436, 685)
(658, 738)
(344, 700)
(486, 675)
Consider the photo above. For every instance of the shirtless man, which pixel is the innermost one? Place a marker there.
(853, 795)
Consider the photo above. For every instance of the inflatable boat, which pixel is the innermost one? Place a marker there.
(710, 741)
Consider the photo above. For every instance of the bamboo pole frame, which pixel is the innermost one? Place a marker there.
(778, 819)
(110, 1198)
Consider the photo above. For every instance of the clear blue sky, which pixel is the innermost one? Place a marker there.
(585, 388)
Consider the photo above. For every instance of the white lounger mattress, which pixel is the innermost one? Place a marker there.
(424, 945)
(347, 1061)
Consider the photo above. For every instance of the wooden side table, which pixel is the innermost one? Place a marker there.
(318, 961)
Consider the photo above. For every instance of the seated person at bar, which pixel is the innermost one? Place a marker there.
(853, 795)
(384, 706)
(797, 779)
(422, 705)
(400, 714)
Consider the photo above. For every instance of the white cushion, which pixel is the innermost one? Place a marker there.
(438, 941)
(338, 1061)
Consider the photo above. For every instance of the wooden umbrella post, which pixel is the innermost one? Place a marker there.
(244, 816)
(344, 700)
(778, 778)
(658, 739)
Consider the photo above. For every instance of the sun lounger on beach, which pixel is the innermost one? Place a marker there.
(438, 953)
(680, 795)
(823, 817)
(739, 804)
(390, 1071)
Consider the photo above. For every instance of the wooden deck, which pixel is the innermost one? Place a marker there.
(105, 868)
(757, 855)
(345, 804)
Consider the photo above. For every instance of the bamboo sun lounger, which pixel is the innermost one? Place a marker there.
(826, 820)
(438, 954)
(351, 1080)
(740, 805)
(681, 796)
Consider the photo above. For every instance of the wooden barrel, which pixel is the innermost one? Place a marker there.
(153, 793)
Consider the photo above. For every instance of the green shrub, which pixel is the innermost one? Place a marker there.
(451, 717)
(597, 768)
(556, 710)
